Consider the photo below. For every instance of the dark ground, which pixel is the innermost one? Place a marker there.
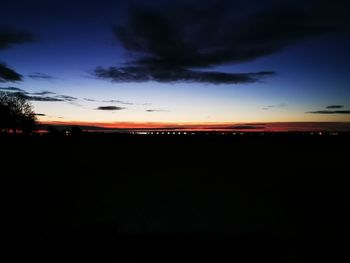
(280, 198)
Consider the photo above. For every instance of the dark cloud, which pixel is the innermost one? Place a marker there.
(335, 107)
(8, 75)
(41, 76)
(142, 74)
(40, 114)
(110, 108)
(29, 97)
(330, 112)
(184, 40)
(11, 37)
(39, 96)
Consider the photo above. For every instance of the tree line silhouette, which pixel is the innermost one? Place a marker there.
(16, 114)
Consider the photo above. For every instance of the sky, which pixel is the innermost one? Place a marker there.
(178, 62)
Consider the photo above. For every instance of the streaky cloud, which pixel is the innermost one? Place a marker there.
(156, 110)
(37, 98)
(11, 89)
(118, 101)
(40, 76)
(143, 74)
(90, 100)
(110, 108)
(66, 98)
(281, 105)
(43, 93)
(335, 107)
(330, 112)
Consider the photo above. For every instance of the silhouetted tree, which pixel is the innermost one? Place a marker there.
(16, 114)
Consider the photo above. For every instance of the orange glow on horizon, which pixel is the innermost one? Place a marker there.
(211, 126)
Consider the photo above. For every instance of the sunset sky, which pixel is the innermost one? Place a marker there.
(193, 61)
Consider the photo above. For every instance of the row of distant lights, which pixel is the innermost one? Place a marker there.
(186, 133)
(223, 133)
(322, 133)
(180, 133)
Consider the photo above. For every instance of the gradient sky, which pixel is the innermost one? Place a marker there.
(73, 38)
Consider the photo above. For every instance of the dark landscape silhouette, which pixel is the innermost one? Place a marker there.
(280, 197)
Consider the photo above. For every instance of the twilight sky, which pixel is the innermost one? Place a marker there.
(178, 61)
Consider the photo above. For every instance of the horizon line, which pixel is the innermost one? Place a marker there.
(209, 126)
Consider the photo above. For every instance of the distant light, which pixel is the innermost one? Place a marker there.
(320, 133)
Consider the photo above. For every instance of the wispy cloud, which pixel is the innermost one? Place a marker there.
(281, 105)
(118, 101)
(332, 109)
(122, 102)
(66, 98)
(38, 98)
(40, 76)
(335, 107)
(330, 112)
(45, 96)
(156, 110)
(11, 89)
(90, 100)
(42, 93)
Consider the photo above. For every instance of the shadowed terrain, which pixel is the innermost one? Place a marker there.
(280, 197)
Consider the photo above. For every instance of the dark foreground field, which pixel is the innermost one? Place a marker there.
(218, 198)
